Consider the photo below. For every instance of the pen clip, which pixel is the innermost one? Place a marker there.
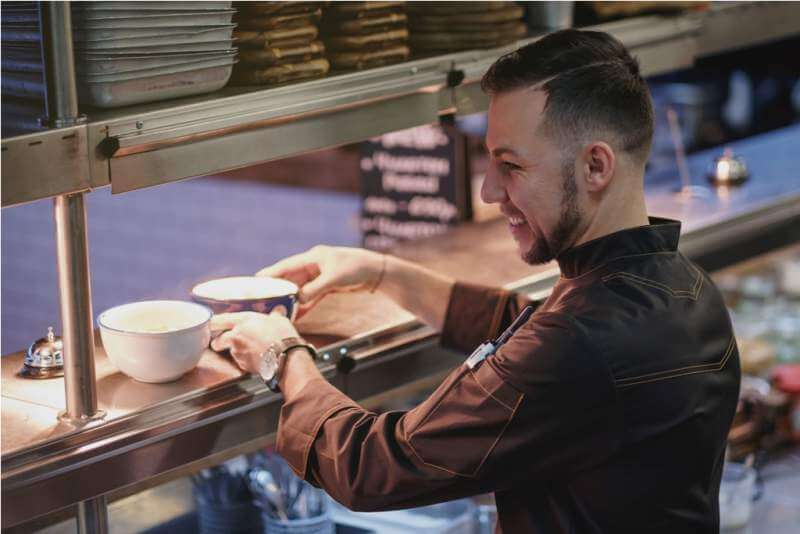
(480, 354)
(489, 347)
(518, 321)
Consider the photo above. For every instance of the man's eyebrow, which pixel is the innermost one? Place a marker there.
(501, 150)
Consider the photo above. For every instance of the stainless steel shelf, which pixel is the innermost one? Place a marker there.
(41, 165)
(150, 148)
(143, 146)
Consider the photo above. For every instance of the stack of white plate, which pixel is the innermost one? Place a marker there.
(133, 52)
(22, 81)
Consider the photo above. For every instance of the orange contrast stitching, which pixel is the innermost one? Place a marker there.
(475, 376)
(464, 370)
(619, 258)
(503, 431)
(483, 460)
(692, 293)
(674, 373)
(439, 467)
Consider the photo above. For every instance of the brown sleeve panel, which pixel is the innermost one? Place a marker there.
(477, 313)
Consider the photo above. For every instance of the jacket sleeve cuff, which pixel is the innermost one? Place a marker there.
(302, 418)
(474, 314)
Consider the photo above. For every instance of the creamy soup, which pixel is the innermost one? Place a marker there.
(154, 317)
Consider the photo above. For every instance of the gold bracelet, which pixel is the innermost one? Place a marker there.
(380, 276)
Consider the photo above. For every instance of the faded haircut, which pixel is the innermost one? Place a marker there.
(593, 88)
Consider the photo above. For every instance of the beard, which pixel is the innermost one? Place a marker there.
(543, 250)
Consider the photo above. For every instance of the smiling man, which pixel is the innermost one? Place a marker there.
(607, 409)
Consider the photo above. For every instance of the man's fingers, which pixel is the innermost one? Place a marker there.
(303, 309)
(241, 360)
(278, 268)
(298, 269)
(224, 341)
(315, 289)
(226, 321)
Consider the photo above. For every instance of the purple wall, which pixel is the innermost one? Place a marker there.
(158, 242)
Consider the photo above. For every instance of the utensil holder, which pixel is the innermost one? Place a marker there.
(321, 524)
(237, 518)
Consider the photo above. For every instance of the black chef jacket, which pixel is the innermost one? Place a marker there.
(607, 411)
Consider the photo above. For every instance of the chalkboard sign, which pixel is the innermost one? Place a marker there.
(413, 184)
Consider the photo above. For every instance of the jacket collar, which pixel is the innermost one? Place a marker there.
(661, 235)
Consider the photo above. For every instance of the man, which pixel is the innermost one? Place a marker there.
(608, 409)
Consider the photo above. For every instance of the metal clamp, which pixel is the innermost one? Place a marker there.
(455, 77)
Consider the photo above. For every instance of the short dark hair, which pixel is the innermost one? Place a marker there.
(592, 85)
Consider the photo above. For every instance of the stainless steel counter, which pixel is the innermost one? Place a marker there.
(118, 396)
(214, 412)
(215, 409)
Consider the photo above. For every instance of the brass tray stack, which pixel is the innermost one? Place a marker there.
(279, 43)
(452, 26)
(362, 35)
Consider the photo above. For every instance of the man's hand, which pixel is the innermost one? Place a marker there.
(248, 334)
(322, 270)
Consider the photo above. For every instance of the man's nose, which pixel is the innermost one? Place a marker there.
(492, 190)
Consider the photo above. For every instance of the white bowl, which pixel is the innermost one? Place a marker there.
(155, 340)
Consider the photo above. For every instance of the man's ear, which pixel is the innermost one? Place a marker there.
(598, 165)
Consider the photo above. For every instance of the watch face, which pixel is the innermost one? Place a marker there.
(269, 364)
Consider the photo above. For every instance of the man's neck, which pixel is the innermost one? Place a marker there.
(614, 219)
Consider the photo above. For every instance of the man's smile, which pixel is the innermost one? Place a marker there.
(515, 221)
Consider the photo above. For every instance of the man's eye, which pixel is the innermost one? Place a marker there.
(508, 166)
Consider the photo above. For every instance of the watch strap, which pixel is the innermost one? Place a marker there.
(272, 383)
(290, 343)
(285, 346)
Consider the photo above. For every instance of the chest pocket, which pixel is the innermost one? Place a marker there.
(457, 428)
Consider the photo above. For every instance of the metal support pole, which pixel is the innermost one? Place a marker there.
(92, 517)
(58, 58)
(72, 248)
(76, 308)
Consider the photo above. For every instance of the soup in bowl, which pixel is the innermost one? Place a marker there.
(248, 293)
(155, 340)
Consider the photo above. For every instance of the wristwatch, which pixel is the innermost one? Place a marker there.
(273, 359)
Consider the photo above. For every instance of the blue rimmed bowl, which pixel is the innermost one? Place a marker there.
(248, 293)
